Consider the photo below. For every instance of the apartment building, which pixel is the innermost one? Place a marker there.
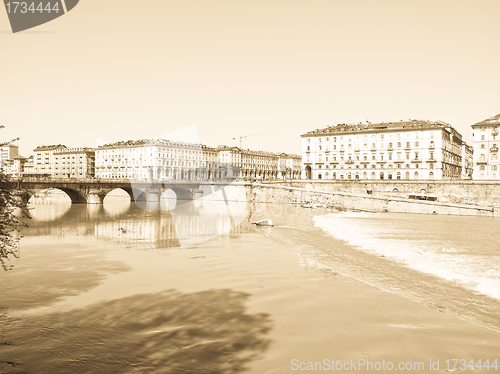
(8, 152)
(153, 159)
(485, 143)
(467, 161)
(411, 150)
(260, 164)
(74, 163)
(43, 158)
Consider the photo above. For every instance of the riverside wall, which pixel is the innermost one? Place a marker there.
(468, 192)
(373, 197)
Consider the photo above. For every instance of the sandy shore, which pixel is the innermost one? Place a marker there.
(245, 302)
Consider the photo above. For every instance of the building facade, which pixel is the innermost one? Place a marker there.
(74, 163)
(8, 152)
(486, 141)
(168, 160)
(153, 159)
(411, 150)
(467, 161)
(43, 159)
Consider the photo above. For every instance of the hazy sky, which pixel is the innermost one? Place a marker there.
(123, 69)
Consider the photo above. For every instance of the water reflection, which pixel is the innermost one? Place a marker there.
(120, 220)
(166, 332)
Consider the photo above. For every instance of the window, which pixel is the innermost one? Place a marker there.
(416, 155)
(407, 144)
(481, 167)
(320, 148)
(308, 148)
(482, 137)
(408, 156)
(416, 144)
(493, 167)
(390, 156)
(482, 146)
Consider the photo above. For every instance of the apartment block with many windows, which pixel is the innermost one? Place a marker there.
(74, 162)
(486, 142)
(411, 150)
(43, 159)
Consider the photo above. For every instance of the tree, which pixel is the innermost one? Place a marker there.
(12, 216)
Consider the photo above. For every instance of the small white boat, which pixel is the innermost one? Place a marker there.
(264, 222)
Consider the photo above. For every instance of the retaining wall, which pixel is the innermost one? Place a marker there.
(363, 201)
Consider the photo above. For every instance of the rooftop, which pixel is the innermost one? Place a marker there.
(146, 142)
(492, 121)
(375, 127)
(49, 147)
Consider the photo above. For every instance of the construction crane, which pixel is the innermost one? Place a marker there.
(248, 136)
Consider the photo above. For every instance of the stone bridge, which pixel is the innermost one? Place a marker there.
(93, 190)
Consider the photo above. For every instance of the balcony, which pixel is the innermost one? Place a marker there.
(494, 149)
(390, 148)
(416, 161)
(350, 162)
(399, 161)
(482, 162)
(365, 162)
(381, 162)
(431, 160)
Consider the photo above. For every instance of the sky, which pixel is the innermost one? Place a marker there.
(122, 69)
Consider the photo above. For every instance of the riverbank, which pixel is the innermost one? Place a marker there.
(275, 193)
(254, 299)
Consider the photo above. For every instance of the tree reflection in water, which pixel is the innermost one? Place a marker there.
(167, 332)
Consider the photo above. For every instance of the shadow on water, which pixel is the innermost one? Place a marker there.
(54, 271)
(166, 332)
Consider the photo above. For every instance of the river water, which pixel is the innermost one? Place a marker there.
(115, 288)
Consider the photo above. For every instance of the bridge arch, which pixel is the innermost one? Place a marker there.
(75, 196)
(135, 194)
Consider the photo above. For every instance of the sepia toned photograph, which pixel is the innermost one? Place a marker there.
(254, 187)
